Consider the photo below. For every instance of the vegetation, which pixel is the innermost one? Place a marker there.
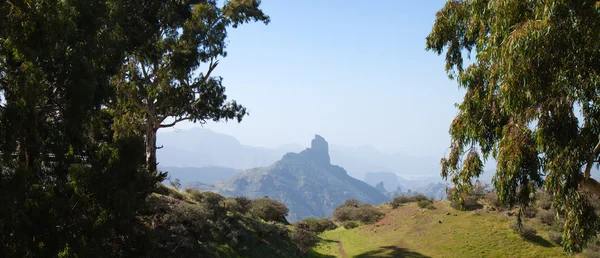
(402, 199)
(426, 204)
(158, 85)
(525, 231)
(353, 210)
(536, 64)
(409, 232)
(200, 224)
(269, 210)
(317, 225)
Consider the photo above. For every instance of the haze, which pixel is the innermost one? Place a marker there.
(354, 72)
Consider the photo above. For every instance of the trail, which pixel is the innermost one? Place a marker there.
(341, 249)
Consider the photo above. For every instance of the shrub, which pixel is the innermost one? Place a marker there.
(470, 201)
(544, 201)
(419, 197)
(244, 204)
(399, 200)
(363, 212)
(349, 224)
(547, 217)
(530, 212)
(367, 213)
(269, 210)
(527, 231)
(426, 204)
(492, 199)
(304, 239)
(558, 226)
(343, 213)
(593, 249)
(555, 237)
(231, 205)
(351, 203)
(317, 225)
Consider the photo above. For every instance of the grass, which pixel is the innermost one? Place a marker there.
(410, 231)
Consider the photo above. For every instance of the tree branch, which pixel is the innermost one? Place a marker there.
(175, 122)
(590, 161)
(211, 67)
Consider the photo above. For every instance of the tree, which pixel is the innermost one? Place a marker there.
(68, 185)
(158, 85)
(536, 66)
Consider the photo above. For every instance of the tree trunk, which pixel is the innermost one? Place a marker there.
(150, 146)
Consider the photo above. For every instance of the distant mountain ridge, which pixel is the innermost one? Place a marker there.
(306, 182)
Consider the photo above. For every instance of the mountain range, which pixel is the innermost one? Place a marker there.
(306, 182)
(200, 147)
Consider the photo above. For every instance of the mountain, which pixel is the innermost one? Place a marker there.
(199, 147)
(436, 191)
(204, 175)
(306, 182)
(389, 179)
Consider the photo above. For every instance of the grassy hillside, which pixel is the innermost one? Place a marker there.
(410, 231)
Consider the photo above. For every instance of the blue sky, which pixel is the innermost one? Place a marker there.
(355, 72)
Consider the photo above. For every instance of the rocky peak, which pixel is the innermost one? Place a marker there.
(320, 149)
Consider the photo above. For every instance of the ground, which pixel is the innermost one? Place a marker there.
(410, 231)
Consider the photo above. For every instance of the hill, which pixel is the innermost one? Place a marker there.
(412, 232)
(306, 182)
(204, 175)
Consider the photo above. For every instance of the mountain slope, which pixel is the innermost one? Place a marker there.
(306, 182)
(203, 174)
(410, 232)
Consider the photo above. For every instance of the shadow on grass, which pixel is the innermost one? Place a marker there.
(314, 254)
(538, 240)
(391, 251)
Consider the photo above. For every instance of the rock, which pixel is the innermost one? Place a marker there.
(455, 214)
(320, 149)
(439, 221)
(510, 213)
(447, 213)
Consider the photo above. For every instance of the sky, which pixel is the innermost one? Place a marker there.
(354, 72)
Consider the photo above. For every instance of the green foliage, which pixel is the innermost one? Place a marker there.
(158, 84)
(244, 204)
(349, 224)
(357, 211)
(399, 200)
(547, 217)
(593, 249)
(425, 204)
(68, 185)
(555, 237)
(525, 231)
(304, 239)
(535, 63)
(269, 210)
(317, 225)
(463, 201)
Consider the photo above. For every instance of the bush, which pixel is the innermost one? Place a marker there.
(530, 212)
(399, 200)
(317, 225)
(555, 237)
(304, 239)
(492, 199)
(269, 210)
(419, 197)
(544, 201)
(558, 226)
(363, 212)
(244, 204)
(349, 224)
(426, 204)
(547, 217)
(351, 203)
(527, 232)
(593, 249)
(470, 201)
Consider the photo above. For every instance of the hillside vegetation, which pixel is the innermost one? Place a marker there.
(410, 231)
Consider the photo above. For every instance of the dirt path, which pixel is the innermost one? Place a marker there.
(341, 249)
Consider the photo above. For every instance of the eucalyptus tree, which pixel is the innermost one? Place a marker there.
(532, 101)
(160, 83)
(68, 187)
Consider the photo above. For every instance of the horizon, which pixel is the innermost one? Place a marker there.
(347, 62)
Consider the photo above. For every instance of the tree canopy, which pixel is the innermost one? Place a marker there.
(532, 101)
(73, 174)
(159, 84)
